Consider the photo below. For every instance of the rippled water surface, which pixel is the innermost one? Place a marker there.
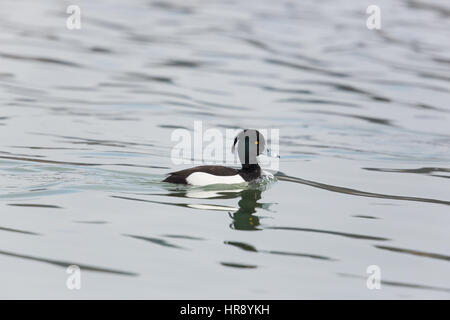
(86, 118)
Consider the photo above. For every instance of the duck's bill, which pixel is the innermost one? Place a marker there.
(271, 154)
(269, 159)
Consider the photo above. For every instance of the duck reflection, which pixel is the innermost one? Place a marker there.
(243, 217)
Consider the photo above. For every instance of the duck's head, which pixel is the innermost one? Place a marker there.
(250, 143)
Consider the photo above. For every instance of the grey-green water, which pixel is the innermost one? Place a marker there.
(85, 123)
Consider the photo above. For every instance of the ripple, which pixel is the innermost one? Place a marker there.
(157, 241)
(381, 121)
(398, 284)
(335, 233)
(34, 205)
(19, 231)
(247, 247)
(280, 176)
(416, 253)
(66, 264)
(238, 265)
(307, 68)
(180, 236)
(424, 170)
(40, 59)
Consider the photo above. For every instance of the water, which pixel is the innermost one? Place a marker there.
(85, 125)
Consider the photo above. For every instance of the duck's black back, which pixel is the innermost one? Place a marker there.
(180, 176)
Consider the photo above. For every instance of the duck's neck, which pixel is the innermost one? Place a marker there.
(251, 167)
(250, 171)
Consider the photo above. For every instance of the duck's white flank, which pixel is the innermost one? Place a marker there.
(204, 179)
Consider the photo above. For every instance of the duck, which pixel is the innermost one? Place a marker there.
(250, 143)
